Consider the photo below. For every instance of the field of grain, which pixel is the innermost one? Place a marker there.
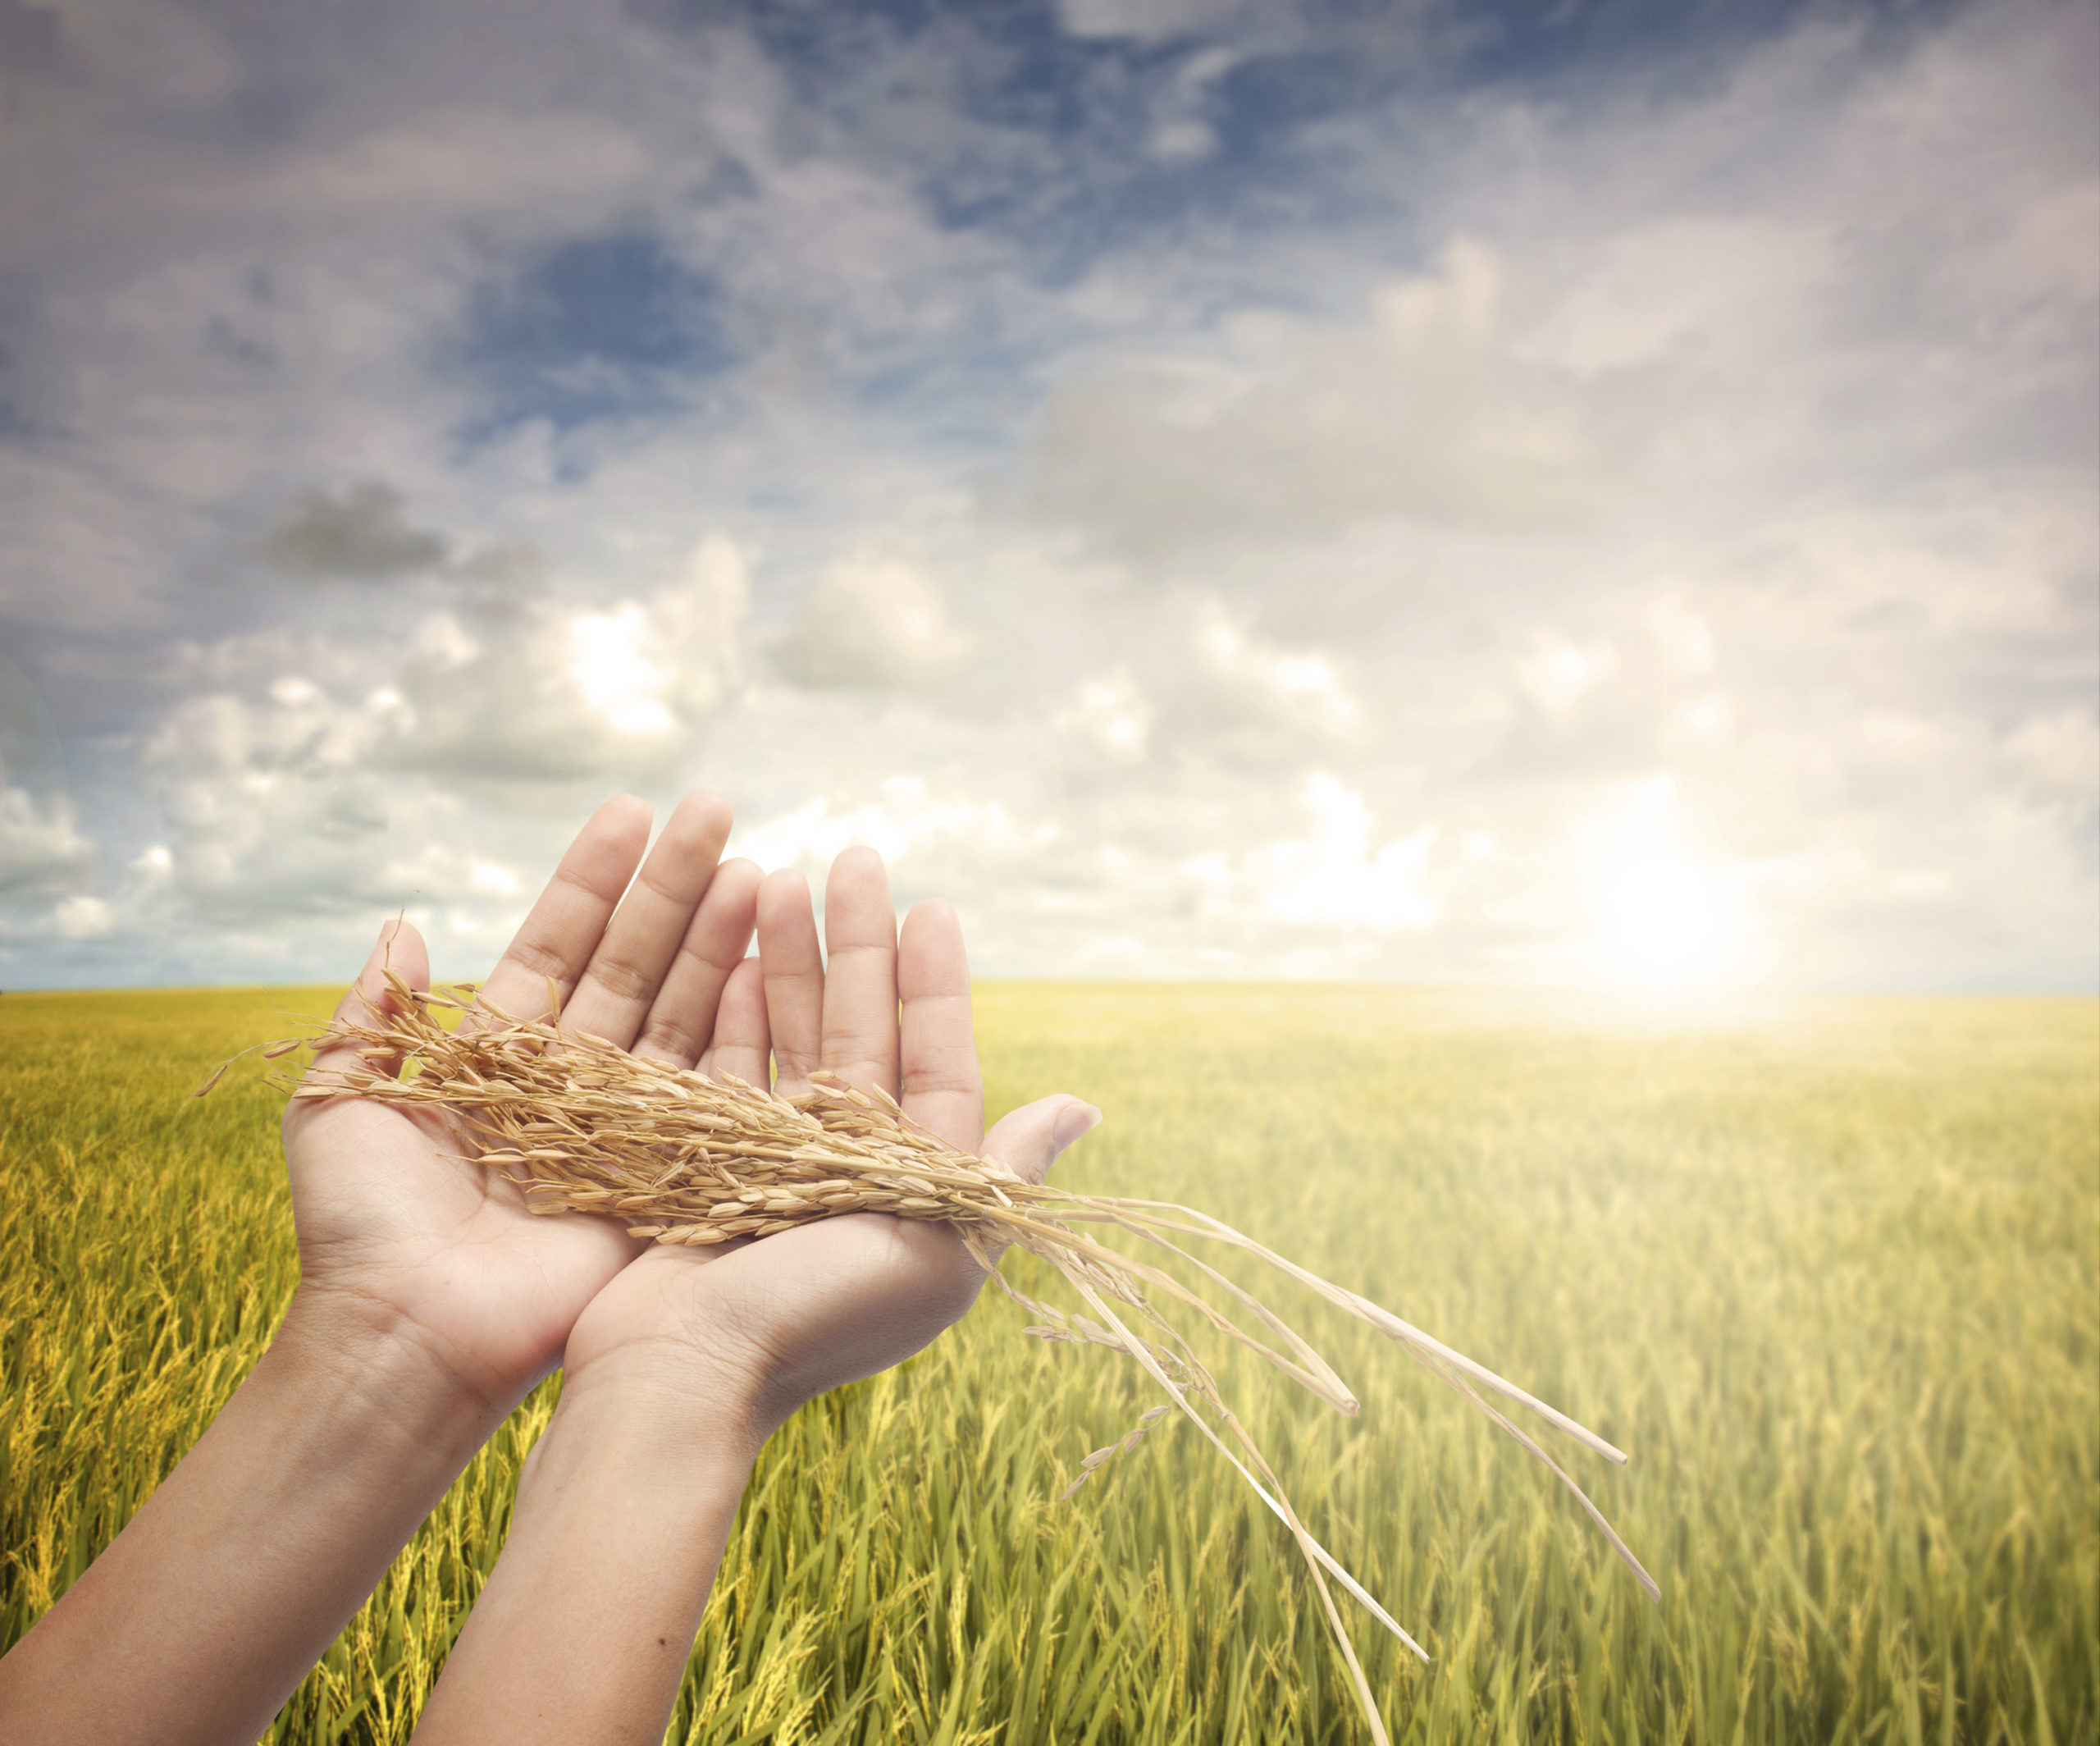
(1830, 1276)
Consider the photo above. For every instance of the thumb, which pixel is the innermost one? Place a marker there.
(1027, 1141)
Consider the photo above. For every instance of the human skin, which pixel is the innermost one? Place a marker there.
(681, 1368)
(430, 1302)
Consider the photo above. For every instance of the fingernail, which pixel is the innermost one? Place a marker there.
(1075, 1120)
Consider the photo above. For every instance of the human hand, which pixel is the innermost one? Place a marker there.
(397, 1230)
(760, 1326)
(682, 1364)
(430, 1299)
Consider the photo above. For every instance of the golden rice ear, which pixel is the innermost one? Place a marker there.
(585, 1127)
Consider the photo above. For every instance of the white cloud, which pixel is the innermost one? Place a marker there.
(1111, 715)
(81, 917)
(871, 624)
(907, 822)
(42, 850)
(1442, 406)
(1734, 437)
(536, 691)
(1708, 717)
(608, 666)
(1147, 20)
(1300, 686)
(1182, 140)
(293, 796)
(1560, 674)
(1684, 638)
(1335, 876)
(2059, 752)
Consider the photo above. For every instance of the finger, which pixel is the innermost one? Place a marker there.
(681, 1022)
(742, 1039)
(401, 950)
(793, 969)
(569, 917)
(860, 972)
(1027, 1141)
(619, 985)
(942, 1090)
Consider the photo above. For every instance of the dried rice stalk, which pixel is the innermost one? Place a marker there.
(583, 1127)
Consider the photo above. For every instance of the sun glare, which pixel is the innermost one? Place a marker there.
(1668, 922)
(615, 677)
(1662, 914)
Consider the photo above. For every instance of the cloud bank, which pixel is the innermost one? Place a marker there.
(1447, 497)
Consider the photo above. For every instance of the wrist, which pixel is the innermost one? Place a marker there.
(622, 1510)
(266, 1536)
(673, 1404)
(347, 1344)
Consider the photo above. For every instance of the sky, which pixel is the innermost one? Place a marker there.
(1588, 494)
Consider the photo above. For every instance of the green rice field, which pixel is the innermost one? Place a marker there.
(1832, 1276)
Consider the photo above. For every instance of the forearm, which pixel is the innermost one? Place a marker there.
(583, 1631)
(207, 1610)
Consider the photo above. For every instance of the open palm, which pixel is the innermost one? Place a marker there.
(396, 1227)
(776, 1321)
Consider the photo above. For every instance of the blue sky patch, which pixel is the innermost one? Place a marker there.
(602, 328)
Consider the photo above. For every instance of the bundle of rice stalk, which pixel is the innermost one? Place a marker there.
(583, 1127)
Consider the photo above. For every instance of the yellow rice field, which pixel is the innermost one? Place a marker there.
(1833, 1276)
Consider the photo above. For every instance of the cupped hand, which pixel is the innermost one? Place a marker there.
(768, 1323)
(395, 1227)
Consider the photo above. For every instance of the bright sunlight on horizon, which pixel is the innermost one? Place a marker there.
(1595, 497)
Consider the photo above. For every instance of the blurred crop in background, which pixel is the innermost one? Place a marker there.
(1828, 1276)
